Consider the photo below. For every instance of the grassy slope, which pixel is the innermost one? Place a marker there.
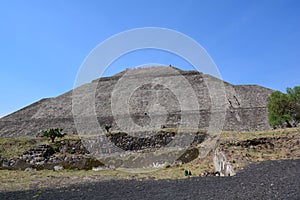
(14, 147)
(238, 149)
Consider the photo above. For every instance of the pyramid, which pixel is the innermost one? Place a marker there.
(244, 106)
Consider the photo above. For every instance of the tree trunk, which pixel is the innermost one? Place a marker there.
(288, 124)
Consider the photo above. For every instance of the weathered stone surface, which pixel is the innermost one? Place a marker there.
(222, 166)
(38, 154)
(58, 168)
(67, 162)
(73, 162)
(127, 142)
(189, 155)
(156, 141)
(72, 146)
(29, 169)
(14, 164)
(245, 106)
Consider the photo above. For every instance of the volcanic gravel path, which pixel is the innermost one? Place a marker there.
(266, 180)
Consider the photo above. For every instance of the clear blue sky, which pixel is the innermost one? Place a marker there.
(43, 43)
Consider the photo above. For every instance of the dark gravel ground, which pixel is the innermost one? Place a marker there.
(266, 180)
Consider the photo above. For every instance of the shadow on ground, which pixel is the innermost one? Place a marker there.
(265, 180)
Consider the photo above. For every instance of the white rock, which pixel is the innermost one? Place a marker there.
(157, 165)
(58, 168)
(221, 165)
(98, 169)
(40, 163)
(29, 169)
(111, 167)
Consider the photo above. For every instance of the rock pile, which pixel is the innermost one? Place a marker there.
(38, 155)
(160, 139)
(73, 162)
(44, 157)
(13, 163)
(130, 143)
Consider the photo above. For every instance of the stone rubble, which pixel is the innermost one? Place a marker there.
(43, 157)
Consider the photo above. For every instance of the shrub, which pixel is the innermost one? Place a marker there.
(53, 133)
(56, 148)
(107, 127)
(187, 173)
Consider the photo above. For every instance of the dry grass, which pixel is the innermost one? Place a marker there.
(22, 180)
(239, 136)
(14, 147)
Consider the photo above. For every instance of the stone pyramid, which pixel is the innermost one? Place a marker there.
(244, 105)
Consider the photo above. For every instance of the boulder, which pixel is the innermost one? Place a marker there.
(58, 168)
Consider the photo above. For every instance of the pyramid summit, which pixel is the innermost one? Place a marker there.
(244, 105)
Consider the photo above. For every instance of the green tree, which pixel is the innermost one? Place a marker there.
(53, 133)
(278, 109)
(284, 108)
(294, 103)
